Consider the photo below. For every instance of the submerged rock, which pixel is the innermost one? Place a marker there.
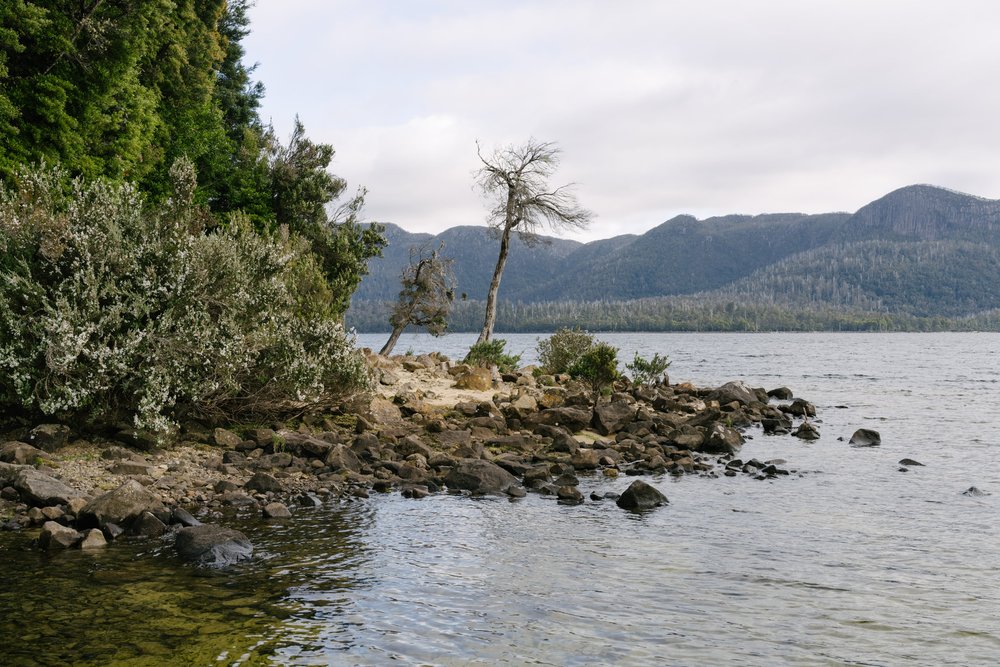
(212, 545)
(641, 496)
(974, 492)
(276, 511)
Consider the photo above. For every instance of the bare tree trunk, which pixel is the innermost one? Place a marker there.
(491, 298)
(393, 338)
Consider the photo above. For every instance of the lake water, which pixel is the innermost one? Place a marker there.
(848, 562)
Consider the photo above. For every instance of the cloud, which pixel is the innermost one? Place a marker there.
(706, 107)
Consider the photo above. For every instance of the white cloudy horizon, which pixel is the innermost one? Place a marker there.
(706, 107)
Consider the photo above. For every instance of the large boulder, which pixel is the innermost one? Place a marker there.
(38, 489)
(383, 411)
(213, 545)
(121, 505)
(866, 437)
(799, 408)
(612, 417)
(341, 457)
(736, 391)
(20, 453)
(261, 481)
(721, 439)
(640, 496)
(562, 439)
(574, 419)
(49, 437)
(477, 379)
(479, 476)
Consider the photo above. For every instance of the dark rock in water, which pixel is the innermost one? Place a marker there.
(39, 490)
(209, 544)
(49, 437)
(799, 408)
(479, 476)
(974, 492)
(183, 517)
(261, 481)
(721, 440)
(776, 426)
(806, 431)
(516, 492)
(909, 462)
(641, 496)
(93, 539)
(567, 479)
(612, 417)
(865, 437)
(739, 392)
(539, 472)
(309, 500)
(112, 531)
(569, 495)
(594, 495)
(276, 511)
(147, 525)
(781, 393)
(120, 506)
(57, 536)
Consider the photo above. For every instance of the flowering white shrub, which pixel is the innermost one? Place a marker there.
(111, 309)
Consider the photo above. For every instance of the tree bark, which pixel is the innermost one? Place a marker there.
(491, 297)
(391, 343)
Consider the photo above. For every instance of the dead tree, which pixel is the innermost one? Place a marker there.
(426, 297)
(515, 180)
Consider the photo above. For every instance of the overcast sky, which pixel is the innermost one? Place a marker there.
(660, 107)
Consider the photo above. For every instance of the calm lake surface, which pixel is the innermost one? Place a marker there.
(848, 562)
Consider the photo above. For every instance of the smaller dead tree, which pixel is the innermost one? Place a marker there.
(426, 298)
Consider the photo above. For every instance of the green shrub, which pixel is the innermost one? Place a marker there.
(598, 366)
(560, 350)
(111, 309)
(490, 353)
(645, 371)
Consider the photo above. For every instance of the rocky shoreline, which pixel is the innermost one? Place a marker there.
(432, 426)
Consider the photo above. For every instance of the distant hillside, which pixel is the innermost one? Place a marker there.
(920, 251)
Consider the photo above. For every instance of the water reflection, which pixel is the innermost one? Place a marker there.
(138, 604)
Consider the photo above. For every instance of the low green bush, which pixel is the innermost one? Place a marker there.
(645, 371)
(560, 350)
(491, 353)
(112, 309)
(598, 366)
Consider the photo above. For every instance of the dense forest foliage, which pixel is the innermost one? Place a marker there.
(162, 252)
(680, 313)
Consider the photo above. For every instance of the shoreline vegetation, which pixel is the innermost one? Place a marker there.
(431, 425)
(674, 314)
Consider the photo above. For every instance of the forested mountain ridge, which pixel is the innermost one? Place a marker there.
(919, 251)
